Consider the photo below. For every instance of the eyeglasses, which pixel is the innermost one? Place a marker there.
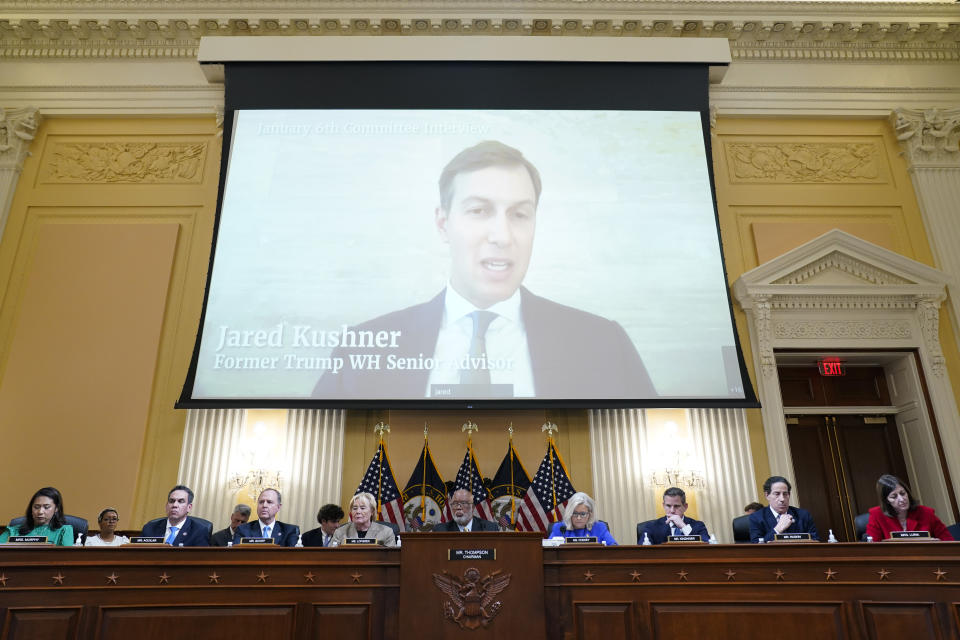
(580, 514)
(114, 519)
(460, 503)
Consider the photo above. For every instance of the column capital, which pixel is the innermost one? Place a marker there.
(930, 138)
(17, 129)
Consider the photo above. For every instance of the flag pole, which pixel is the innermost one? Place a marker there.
(379, 429)
(550, 427)
(470, 427)
(513, 488)
(423, 481)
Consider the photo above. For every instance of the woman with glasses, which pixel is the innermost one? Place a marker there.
(107, 521)
(580, 520)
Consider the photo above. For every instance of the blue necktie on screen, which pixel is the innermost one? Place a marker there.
(478, 348)
(172, 536)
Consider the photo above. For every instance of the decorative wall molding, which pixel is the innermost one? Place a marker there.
(17, 130)
(837, 261)
(753, 38)
(930, 138)
(832, 329)
(805, 162)
(124, 162)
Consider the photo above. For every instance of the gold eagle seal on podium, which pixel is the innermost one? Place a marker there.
(473, 600)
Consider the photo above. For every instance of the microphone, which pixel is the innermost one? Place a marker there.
(563, 529)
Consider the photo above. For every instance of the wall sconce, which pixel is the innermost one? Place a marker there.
(679, 469)
(255, 481)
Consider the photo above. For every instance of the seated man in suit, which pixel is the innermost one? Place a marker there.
(179, 529)
(674, 523)
(485, 335)
(780, 517)
(241, 513)
(329, 518)
(266, 525)
(463, 518)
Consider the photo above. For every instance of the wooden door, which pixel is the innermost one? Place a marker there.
(837, 460)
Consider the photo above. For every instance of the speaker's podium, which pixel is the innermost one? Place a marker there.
(488, 584)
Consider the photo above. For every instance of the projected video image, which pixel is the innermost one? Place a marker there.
(467, 254)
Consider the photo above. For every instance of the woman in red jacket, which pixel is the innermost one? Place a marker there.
(899, 511)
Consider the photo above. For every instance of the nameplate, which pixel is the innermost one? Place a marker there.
(582, 540)
(471, 554)
(256, 540)
(793, 537)
(367, 541)
(146, 540)
(900, 535)
(28, 539)
(695, 538)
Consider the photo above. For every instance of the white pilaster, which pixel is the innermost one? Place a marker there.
(17, 129)
(931, 144)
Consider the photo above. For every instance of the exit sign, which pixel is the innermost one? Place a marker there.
(831, 367)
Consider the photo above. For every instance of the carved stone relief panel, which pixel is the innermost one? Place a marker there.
(123, 161)
(854, 162)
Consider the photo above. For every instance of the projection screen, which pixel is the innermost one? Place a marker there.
(479, 241)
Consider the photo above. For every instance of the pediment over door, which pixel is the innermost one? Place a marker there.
(838, 291)
(839, 261)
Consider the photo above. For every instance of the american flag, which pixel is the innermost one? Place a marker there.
(379, 481)
(470, 478)
(550, 489)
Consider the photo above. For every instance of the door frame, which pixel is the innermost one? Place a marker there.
(839, 293)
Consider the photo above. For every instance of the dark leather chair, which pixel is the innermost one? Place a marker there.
(640, 527)
(860, 527)
(394, 526)
(741, 529)
(954, 530)
(79, 525)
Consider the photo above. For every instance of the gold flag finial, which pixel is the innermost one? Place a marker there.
(469, 427)
(380, 428)
(550, 428)
(426, 430)
(510, 429)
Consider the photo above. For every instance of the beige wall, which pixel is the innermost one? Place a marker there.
(103, 260)
(782, 182)
(103, 264)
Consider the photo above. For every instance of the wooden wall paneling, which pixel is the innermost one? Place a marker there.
(48, 623)
(209, 621)
(607, 620)
(899, 620)
(782, 620)
(342, 620)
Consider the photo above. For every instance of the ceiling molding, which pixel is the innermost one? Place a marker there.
(750, 40)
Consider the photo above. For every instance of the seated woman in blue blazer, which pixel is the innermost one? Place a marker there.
(580, 520)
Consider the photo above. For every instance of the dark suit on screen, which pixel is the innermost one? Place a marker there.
(478, 525)
(658, 530)
(192, 532)
(762, 524)
(283, 534)
(573, 354)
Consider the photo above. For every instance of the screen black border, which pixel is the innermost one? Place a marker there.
(627, 86)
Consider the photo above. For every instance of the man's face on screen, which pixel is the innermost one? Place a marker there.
(490, 227)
